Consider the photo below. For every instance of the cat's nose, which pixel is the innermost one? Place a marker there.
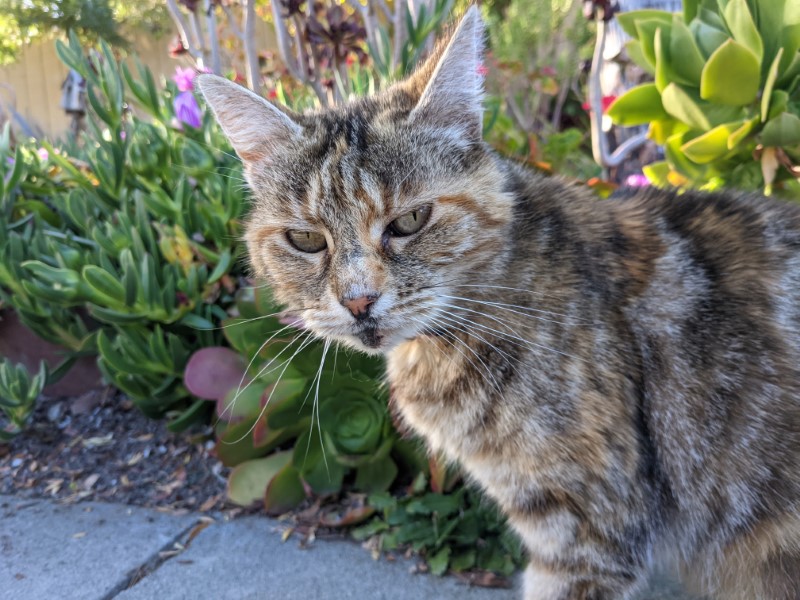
(361, 305)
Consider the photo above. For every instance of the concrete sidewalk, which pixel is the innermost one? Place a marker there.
(94, 551)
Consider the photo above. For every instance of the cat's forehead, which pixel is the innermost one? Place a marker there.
(364, 160)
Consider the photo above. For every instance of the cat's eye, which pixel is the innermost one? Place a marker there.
(410, 222)
(307, 241)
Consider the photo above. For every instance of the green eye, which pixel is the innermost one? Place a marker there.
(307, 241)
(410, 222)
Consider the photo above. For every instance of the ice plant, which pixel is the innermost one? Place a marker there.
(184, 78)
(187, 110)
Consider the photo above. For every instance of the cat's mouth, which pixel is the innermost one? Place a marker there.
(370, 335)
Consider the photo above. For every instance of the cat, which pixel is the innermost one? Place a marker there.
(620, 375)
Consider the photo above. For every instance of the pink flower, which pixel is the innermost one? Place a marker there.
(43, 154)
(184, 78)
(187, 110)
(483, 70)
(637, 180)
(548, 72)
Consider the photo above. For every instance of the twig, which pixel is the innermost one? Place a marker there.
(183, 31)
(250, 54)
(213, 40)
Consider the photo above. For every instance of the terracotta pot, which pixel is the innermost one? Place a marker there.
(21, 345)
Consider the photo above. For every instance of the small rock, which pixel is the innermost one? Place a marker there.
(16, 462)
(55, 411)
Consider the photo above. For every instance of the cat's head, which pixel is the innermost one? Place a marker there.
(364, 215)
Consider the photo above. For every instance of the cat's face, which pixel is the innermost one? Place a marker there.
(364, 216)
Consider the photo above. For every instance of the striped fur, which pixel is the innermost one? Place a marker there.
(620, 376)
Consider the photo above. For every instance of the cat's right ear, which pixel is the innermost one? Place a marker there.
(256, 129)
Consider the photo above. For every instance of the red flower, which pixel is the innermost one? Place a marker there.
(605, 103)
(272, 94)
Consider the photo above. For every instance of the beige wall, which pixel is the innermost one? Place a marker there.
(33, 83)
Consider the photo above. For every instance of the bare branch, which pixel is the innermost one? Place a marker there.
(213, 39)
(183, 31)
(248, 37)
(232, 20)
(284, 43)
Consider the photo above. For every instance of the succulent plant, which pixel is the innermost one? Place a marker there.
(724, 100)
(18, 394)
(125, 246)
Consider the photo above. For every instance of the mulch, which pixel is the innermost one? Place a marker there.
(100, 447)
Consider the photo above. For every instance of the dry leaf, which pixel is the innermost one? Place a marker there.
(95, 442)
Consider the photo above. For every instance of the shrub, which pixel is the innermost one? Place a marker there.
(18, 394)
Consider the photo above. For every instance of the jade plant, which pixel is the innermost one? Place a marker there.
(725, 100)
(125, 243)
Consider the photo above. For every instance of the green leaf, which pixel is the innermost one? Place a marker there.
(711, 145)
(684, 53)
(690, 10)
(766, 95)
(628, 20)
(376, 476)
(678, 103)
(647, 36)
(678, 160)
(708, 38)
(743, 28)
(740, 134)
(657, 173)
(439, 562)
(731, 75)
(783, 130)
(636, 54)
(637, 106)
(248, 482)
(285, 491)
(103, 285)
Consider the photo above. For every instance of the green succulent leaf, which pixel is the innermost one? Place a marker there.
(248, 482)
(284, 492)
(628, 20)
(711, 145)
(772, 76)
(678, 103)
(637, 106)
(736, 137)
(783, 130)
(687, 61)
(636, 54)
(743, 28)
(731, 75)
(708, 38)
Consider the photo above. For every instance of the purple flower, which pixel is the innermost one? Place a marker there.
(184, 78)
(10, 161)
(187, 110)
(637, 180)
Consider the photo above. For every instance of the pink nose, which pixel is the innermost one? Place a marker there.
(360, 306)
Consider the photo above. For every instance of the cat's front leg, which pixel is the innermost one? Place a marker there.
(543, 583)
(572, 559)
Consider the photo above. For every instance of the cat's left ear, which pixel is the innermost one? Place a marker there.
(453, 95)
(257, 129)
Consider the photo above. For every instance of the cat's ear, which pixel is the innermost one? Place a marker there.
(256, 129)
(453, 93)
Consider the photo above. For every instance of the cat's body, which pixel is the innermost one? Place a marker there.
(652, 413)
(620, 375)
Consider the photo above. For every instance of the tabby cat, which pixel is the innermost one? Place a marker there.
(621, 376)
